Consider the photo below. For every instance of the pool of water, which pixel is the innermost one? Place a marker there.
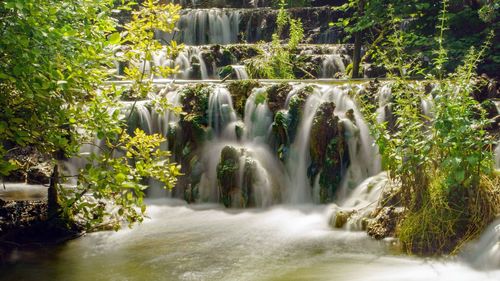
(207, 242)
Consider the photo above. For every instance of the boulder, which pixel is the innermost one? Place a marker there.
(276, 96)
(384, 224)
(328, 150)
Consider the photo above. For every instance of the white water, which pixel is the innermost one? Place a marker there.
(241, 72)
(186, 61)
(332, 64)
(363, 155)
(497, 156)
(207, 26)
(205, 242)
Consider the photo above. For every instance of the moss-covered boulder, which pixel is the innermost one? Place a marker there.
(186, 139)
(296, 109)
(280, 131)
(240, 91)
(328, 151)
(227, 174)
(236, 178)
(276, 96)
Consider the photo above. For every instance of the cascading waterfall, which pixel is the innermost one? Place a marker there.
(206, 26)
(189, 61)
(258, 118)
(485, 253)
(332, 66)
(220, 110)
(364, 161)
(252, 151)
(497, 156)
(241, 72)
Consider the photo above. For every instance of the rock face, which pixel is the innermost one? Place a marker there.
(259, 24)
(235, 176)
(388, 213)
(328, 149)
(34, 167)
(21, 214)
(240, 90)
(384, 224)
(276, 96)
(188, 137)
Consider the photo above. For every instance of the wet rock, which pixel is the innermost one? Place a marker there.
(280, 131)
(385, 217)
(227, 72)
(276, 96)
(227, 174)
(236, 175)
(328, 150)
(340, 218)
(384, 224)
(33, 166)
(373, 71)
(242, 51)
(21, 214)
(296, 108)
(240, 91)
(39, 174)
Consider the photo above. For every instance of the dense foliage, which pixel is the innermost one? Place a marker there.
(470, 23)
(443, 159)
(278, 63)
(56, 56)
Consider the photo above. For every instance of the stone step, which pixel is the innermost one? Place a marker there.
(253, 3)
(230, 61)
(227, 26)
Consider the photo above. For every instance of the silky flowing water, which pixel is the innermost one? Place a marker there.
(207, 242)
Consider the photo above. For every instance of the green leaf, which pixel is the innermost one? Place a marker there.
(114, 38)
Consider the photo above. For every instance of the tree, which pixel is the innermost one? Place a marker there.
(418, 18)
(56, 56)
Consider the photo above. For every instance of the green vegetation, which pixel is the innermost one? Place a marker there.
(55, 57)
(278, 62)
(444, 163)
(470, 23)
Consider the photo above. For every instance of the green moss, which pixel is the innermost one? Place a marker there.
(240, 90)
(328, 151)
(296, 107)
(227, 174)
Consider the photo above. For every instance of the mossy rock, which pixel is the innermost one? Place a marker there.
(276, 96)
(227, 72)
(240, 91)
(296, 108)
(232, 192)
(328, 151)
(243, 52)
(280, 131)
(227, 174)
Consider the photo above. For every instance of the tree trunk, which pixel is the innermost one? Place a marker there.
(52, 196)
(356, 57)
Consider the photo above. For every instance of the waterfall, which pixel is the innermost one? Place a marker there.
(497, 156)
(220, 110)
(485, 253)
(363, 155)
(241, 72)
(332, 64)
(206, 26)
(163, 121)
(189, 61)
(258, 118)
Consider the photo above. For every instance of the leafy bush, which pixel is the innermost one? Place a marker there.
(278, 63)
(56, 56)
(445, 162)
